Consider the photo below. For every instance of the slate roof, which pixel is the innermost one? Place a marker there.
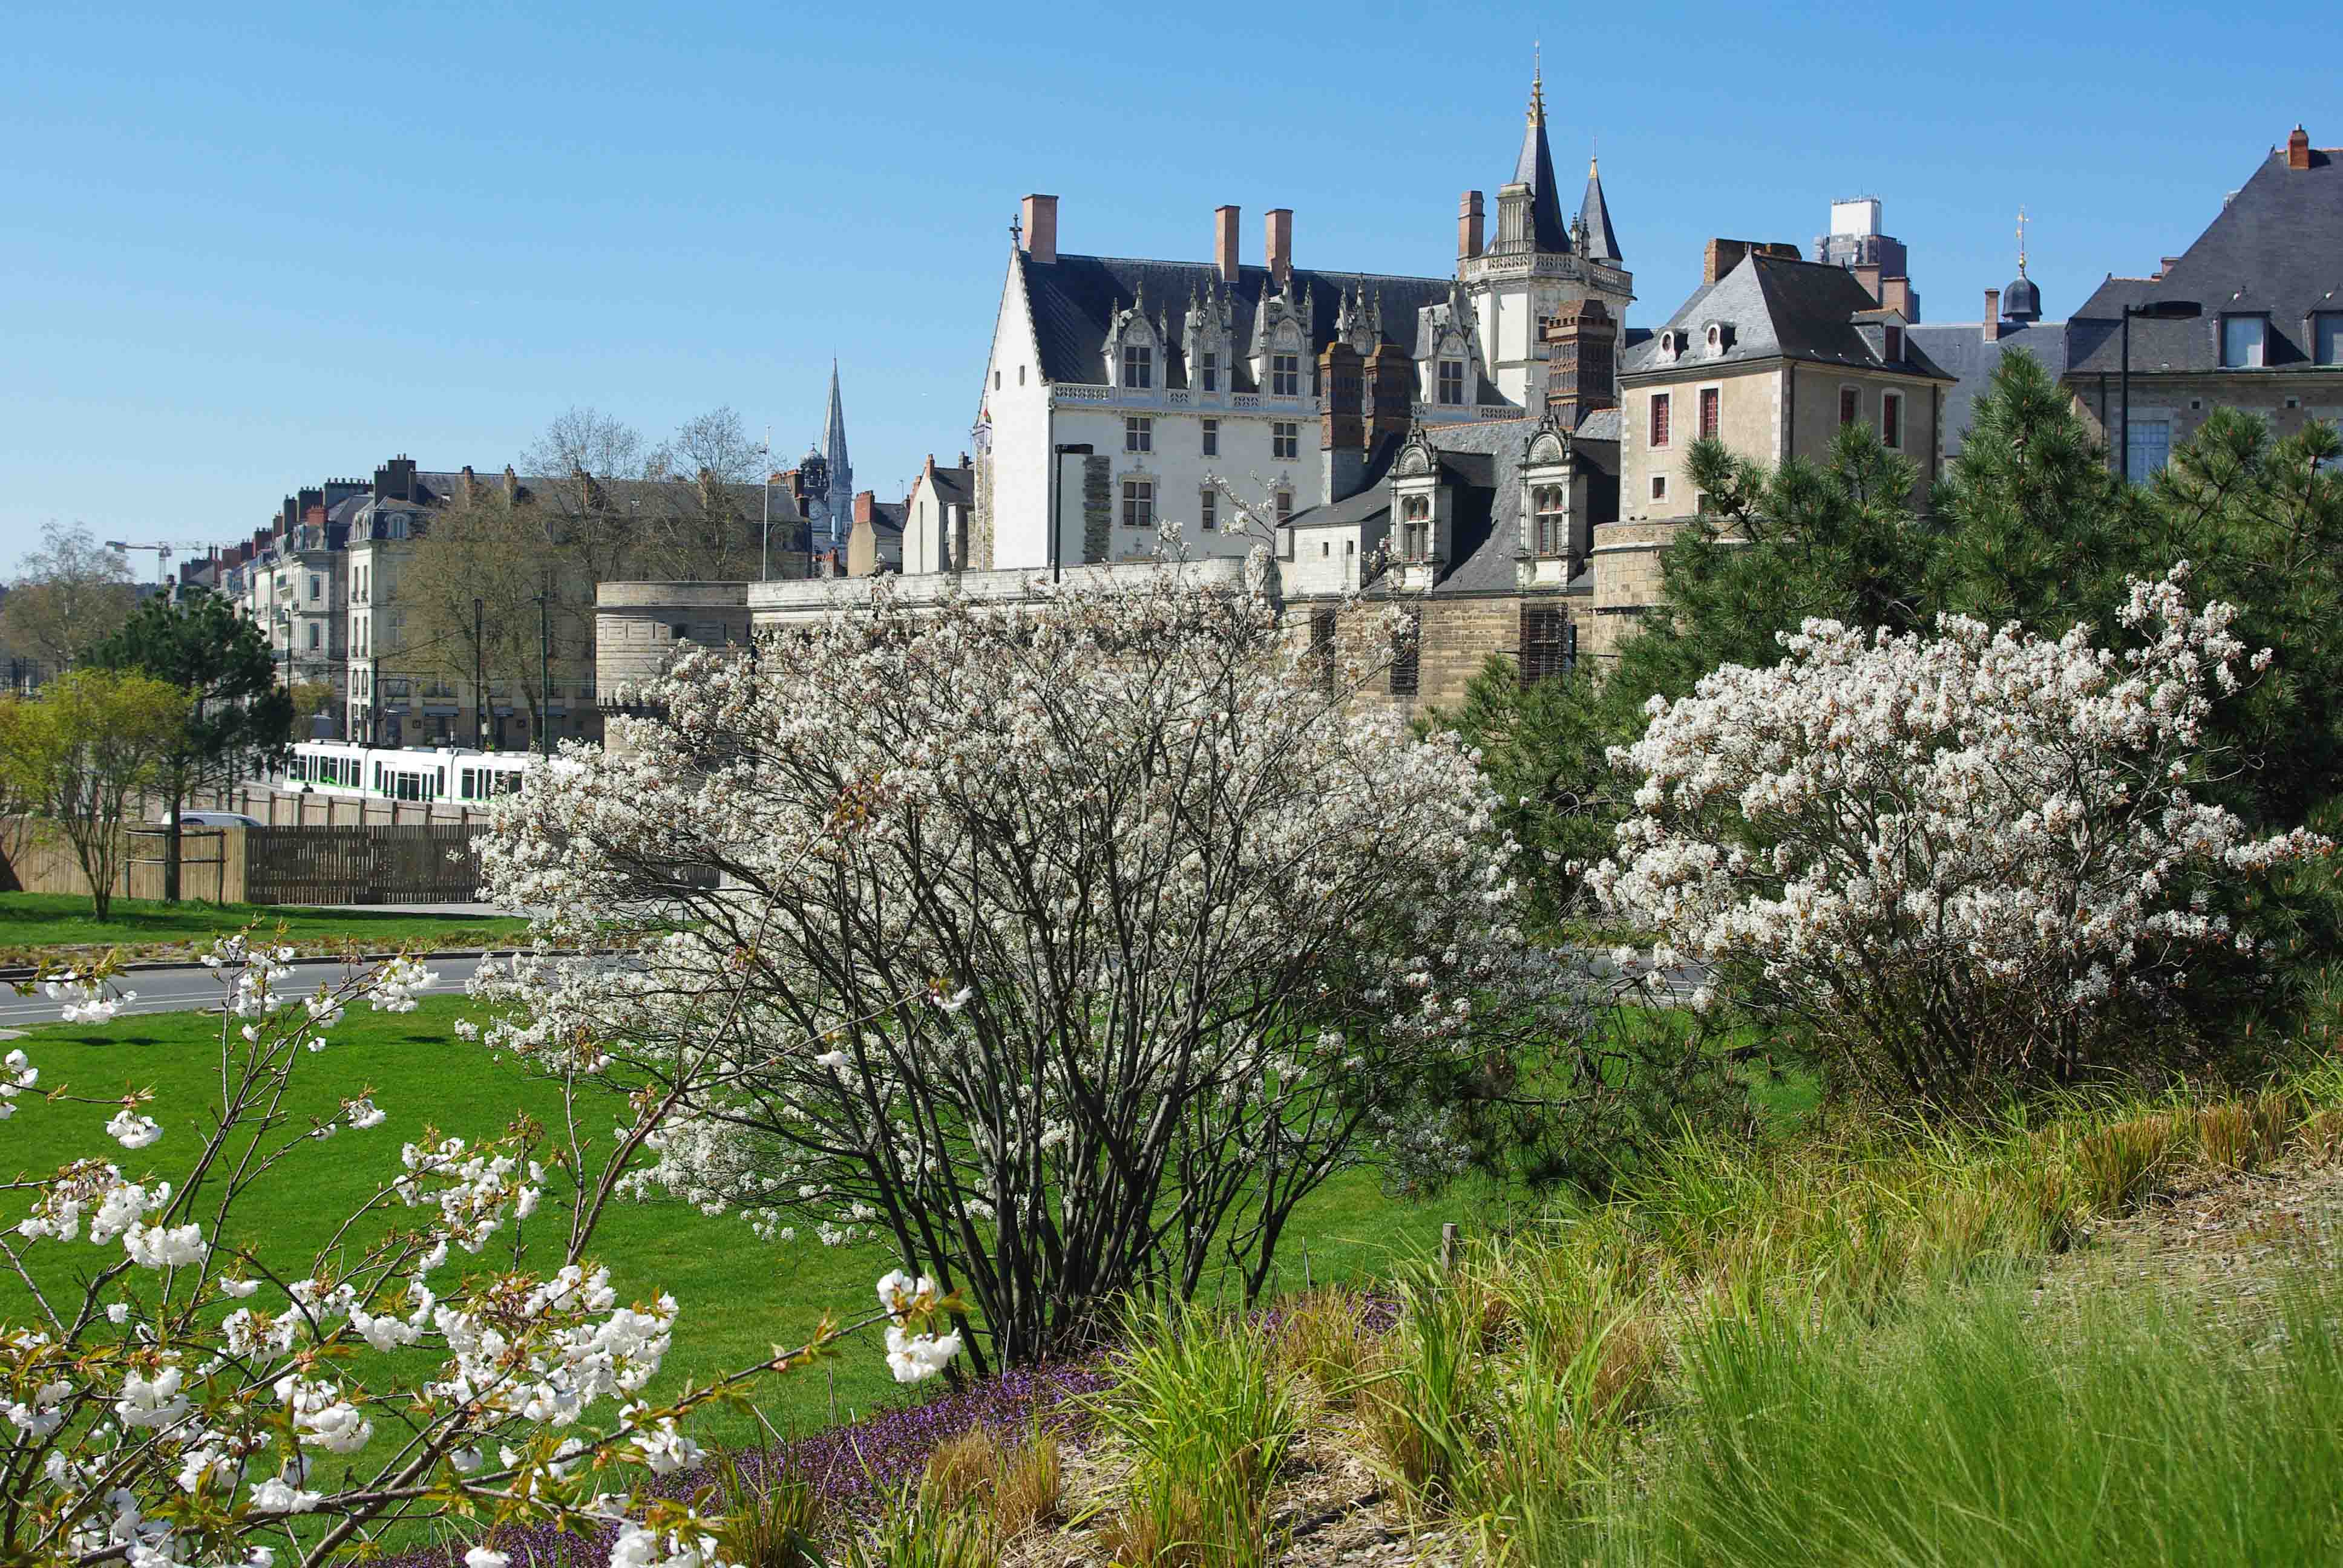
(1484, 461)
(1778, 307)
(1595, 217)
(954, 485)
(1534, 168)
(1073, 300)
(1961, 349)
(2276, 248)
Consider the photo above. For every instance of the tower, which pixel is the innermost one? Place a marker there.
(1538, 264)
(829, 505)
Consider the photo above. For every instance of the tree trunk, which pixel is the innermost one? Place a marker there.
(171, 847)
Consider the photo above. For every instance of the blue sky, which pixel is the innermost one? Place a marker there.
(248, 251)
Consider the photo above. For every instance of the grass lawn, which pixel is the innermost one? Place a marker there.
(738, 1295)
(33, 921)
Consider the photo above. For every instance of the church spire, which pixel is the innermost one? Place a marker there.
(1534, 168)
(840, 508)
(1595, 220)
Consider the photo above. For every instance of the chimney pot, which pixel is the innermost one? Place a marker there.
(1224, 243)
(1470, 225)
(1280, 234)
(1992, 315)
(2298, 149)
(1041, 221)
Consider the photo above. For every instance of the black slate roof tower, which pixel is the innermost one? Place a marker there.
(1534, 168)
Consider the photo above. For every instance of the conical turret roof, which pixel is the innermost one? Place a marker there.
(1595, 219)
(1534, 168)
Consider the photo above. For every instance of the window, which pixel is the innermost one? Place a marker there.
(1209, 506)
(1659, 486)
(1020, 375)
(1326, 548)
(1139, 503)
(1406, 665)
(1209, 371)
(1659, 418)
(315, 630)
(2242, 341)
(1284, 505)
(1285, 375)
(1138, 434)
(2150, 447)
(2328, 338)
(1895, 351)
(1322, 646)
(1553, 519)
(1549, 644)
(1415, 528)
(1708, 397)
(1211, 437)
(1891, 419)
(1137, 366)
(1284, 439)
(317, 587)
(1451, 382)
(996, 381)
(1850, 406)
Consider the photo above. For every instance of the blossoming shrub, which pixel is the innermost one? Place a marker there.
(175, 1391)
(1063, 945)
(1974, 856)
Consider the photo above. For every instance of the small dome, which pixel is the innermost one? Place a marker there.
(2021, 301)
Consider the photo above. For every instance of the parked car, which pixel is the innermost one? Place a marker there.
(214, 820)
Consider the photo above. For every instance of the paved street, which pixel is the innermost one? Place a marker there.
(179, 990)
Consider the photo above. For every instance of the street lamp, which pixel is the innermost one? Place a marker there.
(2154, 310)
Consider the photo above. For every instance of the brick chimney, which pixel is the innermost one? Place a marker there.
(1343, 426)
(2298, 149)
(1992, 315)
(1224, 243)
(395, 481)
(1391, 392)
(1469, 226)
(1279, 232)
(1040, 222)
(1869, 278)
(1582, 362)
(1721, 257)
(1895, 294)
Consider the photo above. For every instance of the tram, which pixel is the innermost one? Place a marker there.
(406, 773)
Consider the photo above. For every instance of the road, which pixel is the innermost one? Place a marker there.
(184, 989)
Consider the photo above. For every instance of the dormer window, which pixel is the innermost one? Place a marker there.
(1894, 352)
(2243, 340)
(1415, 528)
(1670, 344)
(1452, 383)
(1550, 504)
(1208, 371)
(1285, 375)
(1137, 366)
(1716, 337)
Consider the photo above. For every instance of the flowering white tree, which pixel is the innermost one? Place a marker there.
(1953, 857)
(1116, 927)
(169, 1381)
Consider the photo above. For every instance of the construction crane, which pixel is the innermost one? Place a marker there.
(163, 554)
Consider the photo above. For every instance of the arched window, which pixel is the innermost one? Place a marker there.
(1415, 528)
(1552, 521)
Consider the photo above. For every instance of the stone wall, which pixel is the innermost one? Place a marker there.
(638, 628)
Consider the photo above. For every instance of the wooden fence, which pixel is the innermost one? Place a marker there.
(34, 857)
(282, 808)
(423, 863)
(416, 863)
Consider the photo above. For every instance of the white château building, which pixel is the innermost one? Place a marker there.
(1122, 393)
